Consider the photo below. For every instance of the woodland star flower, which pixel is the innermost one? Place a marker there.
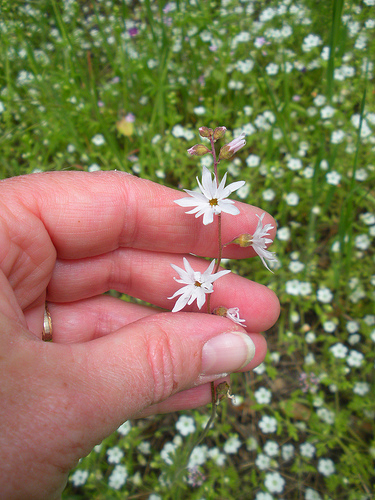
(260, 241)
(196, 285)
(212, 198)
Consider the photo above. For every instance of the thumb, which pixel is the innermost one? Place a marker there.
(142, 364)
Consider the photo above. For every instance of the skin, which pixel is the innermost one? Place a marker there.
(66, 238)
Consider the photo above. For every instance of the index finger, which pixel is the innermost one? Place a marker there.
(88, 214)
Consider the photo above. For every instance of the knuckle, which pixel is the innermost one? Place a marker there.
(163, 364)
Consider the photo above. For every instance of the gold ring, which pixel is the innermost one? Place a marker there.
(47, 326)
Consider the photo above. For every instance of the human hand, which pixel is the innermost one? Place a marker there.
(81, 234)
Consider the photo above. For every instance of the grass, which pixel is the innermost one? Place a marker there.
(69, 71)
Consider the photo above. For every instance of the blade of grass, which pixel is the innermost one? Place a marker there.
(333, 42)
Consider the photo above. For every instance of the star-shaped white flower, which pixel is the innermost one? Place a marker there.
(232, 313)
(212, 198)
(196, 285)
(260, 241)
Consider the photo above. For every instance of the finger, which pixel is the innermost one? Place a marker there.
(89, 319)
(149, 276)
(201, 395)
(118, 376)
(88, 214)
(185, 400)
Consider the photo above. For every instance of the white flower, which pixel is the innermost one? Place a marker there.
(212, 199)
(260, 241)
(118, 477)
(253, 161)
(168, 453)
(198, 456)
(79, 477)
(337, 136)
(287, 451)
(271, 448)
(124, 428)
(324, 295)
(233, 313)
(267, 424)
(333, 178)
(307, 450)
(326, 466)
(361, 388)
(114, 455)
(283, 233)
(196, 285)
(185, 425)
(274, 482)
(262, 461)
(311, 494)
(232, 444)
(355, 359)
(294, 164)
(215, 455)
(263, 396)
(339, 350)
(98, 140)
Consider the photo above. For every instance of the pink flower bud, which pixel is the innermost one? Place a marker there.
(198, 150)
(205, 132)
(219, 133)
(230, 149)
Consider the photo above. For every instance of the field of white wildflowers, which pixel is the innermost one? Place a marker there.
(107, 84)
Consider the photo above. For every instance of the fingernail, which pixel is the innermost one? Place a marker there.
(227, 353)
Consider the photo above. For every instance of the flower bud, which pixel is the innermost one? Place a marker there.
(243, 240)
(230, 149)
(206, 132)
(219, 133)
(220, 311)
(198, 150)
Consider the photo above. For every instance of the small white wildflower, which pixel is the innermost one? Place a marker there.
(333, 178)
(287, 451)
(324, 295)
(326, 466)
(274, 482)
(118, 477)
(263, 461)
(114, 455)
(124, 429)
(212, 199)
(197, 285)
(294, 164)
(232, 445)
(339, 350)
(263, 395)
(79, 477)
(355, 359)
(233, 313)
(267, 424)
(361, 388)
(185, 425)
(98, 140)
(271, 448)
(307, 450)
(260, 241)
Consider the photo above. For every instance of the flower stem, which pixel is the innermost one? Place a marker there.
(201, 437)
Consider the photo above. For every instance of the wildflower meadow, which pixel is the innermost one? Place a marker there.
(127, 85)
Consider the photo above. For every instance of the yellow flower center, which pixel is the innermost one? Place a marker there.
(213, 202)
(197, 283)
